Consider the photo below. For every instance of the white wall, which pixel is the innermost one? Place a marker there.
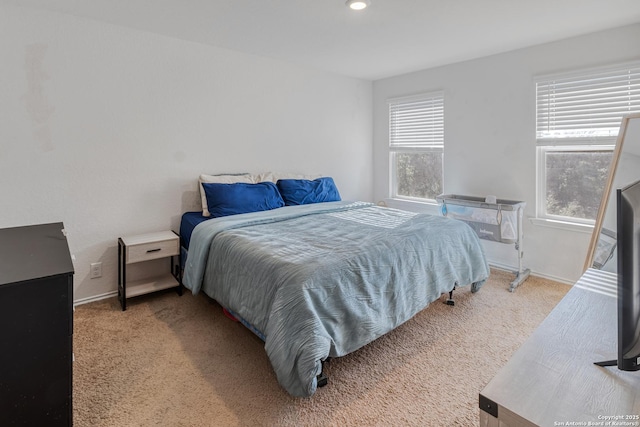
(490, 134)
(107, 129)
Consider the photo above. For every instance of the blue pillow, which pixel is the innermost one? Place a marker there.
(238, 198)
(304, 191)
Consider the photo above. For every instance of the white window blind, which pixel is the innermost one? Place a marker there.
(417, 121)
(586, 106)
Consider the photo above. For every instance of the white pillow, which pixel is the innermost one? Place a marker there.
(275, 176)
(220, 179)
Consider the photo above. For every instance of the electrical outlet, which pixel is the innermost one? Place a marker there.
(95, 270)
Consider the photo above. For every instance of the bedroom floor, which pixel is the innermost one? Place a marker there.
(178, 361)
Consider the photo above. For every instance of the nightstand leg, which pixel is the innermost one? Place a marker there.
(123, 301)
(176, 272)
(122, 275)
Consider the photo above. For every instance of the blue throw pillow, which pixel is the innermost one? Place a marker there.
(304, 191)
(238, 198)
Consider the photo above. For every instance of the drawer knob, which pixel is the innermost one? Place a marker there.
(154, 250)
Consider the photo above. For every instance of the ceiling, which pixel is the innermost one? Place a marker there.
(390, 37)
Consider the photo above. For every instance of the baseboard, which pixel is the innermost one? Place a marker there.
(94, 298)
(514, 269)
(554, 278)
(492, 264)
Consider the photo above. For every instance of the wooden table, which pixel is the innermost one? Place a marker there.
(552, 380)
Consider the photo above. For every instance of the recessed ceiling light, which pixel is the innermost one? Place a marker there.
(358, 4)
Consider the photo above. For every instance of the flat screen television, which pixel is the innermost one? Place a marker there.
(628, 228)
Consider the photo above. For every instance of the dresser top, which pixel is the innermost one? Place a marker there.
(32, 252)
(552, 378)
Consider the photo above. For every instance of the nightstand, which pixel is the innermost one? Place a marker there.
(147, 247)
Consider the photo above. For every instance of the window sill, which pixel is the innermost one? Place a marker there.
(434, 209)
(563, 225)
(413, 206)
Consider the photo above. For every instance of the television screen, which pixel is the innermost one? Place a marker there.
(629, 277)
(628, 247)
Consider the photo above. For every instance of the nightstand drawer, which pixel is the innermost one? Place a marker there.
(152, 250)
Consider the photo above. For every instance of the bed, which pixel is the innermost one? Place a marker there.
(321, 280)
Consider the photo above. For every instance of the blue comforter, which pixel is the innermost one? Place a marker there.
(326, 279)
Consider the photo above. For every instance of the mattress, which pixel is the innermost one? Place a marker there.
(187, 224)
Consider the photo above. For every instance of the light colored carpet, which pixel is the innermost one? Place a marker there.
(178, 361)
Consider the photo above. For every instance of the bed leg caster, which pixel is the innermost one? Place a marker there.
(322, 380)
(450, 301)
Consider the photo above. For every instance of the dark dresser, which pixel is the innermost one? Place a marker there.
(36, 326)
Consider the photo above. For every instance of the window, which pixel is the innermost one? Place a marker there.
(416, 146)
(577, 121)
